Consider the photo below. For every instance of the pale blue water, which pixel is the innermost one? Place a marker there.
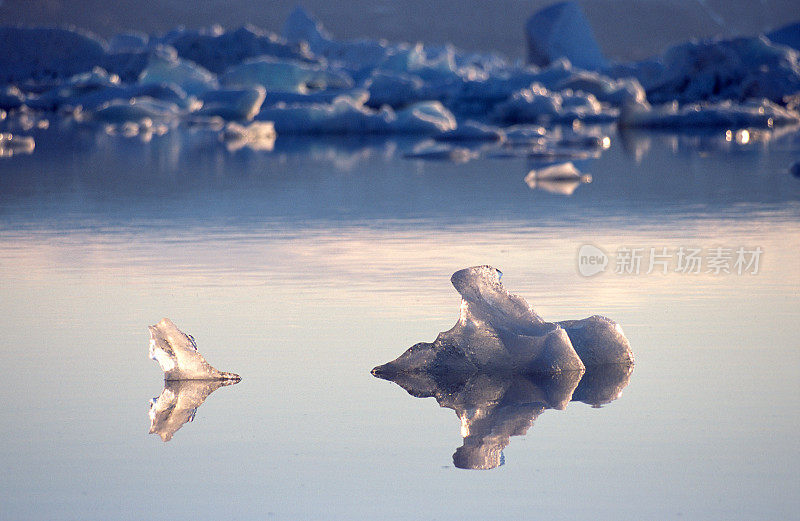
(303, 268)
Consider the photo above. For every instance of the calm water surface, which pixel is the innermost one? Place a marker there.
(303, 268)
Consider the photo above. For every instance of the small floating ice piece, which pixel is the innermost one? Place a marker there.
(176, 353)
(178, 402)
(562, 179)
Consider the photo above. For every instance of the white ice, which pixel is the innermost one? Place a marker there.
(499, 332)
(176, 353)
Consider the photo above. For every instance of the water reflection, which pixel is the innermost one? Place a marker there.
(493, 408)
(178, 402)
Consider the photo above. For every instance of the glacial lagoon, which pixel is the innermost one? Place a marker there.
(302, 268)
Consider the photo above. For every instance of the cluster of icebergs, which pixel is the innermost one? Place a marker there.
(248, 85)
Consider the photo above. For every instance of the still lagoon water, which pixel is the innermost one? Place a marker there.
(304, 267)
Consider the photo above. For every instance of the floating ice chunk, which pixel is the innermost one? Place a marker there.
(300, 26)
(90, 91)
(232, 104)
(356, 96)
(471, 131)
(562, 31)
(345, 116)
(424, 118)
(499, 332)
(176, 353)
(257, 135)
(178, 403)
(604, 89)
(46, 54)
(537, 104)
(599, 341)
(737, 69)
(134, 110)
(166, 67)
(285, 75)
(394, 89)
(525, 135)
(724, 114)
(496, 332)
(14, 144)
(218, 50)
(561, 179)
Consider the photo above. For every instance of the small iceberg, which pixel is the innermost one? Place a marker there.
(176, 353)
(498, 333)
(178, 402)
(561, 179)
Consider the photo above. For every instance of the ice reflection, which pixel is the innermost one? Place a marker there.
(178, 403)
(493, 408)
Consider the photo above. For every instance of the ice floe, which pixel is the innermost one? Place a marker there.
(306, 81)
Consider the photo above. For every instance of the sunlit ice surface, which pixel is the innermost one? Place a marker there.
(304, 268)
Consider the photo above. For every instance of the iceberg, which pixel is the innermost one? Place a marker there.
(167, 67)
(178, 403)
(302, 27)
(176, 353)
(346, 116)
(724, 115)
(471, 131)
(232, 104)
(538, 104)
(46, 55)
(498, 332)
(562, 31)
(737, 69)
(284, 75)
(217, 50)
